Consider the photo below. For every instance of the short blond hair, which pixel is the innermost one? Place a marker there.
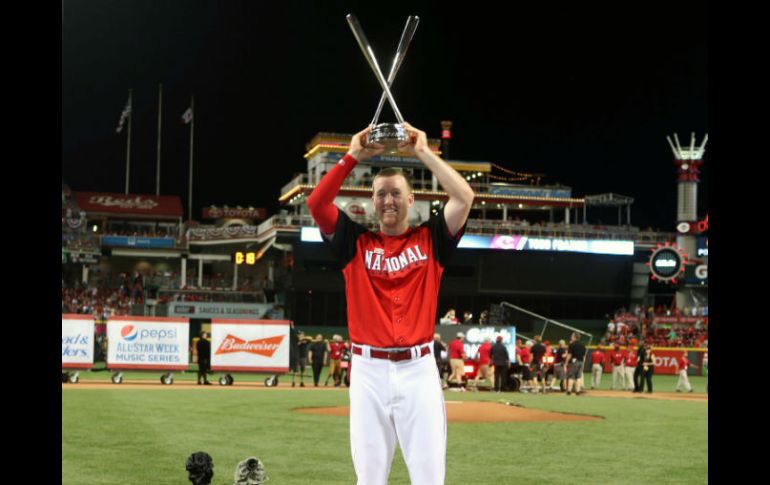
(393, 171)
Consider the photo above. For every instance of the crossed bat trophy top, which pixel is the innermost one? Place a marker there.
(387, 134)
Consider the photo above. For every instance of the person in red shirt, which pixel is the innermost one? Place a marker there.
(597, 367)
(483, 358)
(682, 364)
(523, 356)
(392, 279)
(457, 358)
(336, 348)
(548, 366)
(617, 357)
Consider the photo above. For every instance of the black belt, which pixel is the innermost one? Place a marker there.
(394, 355)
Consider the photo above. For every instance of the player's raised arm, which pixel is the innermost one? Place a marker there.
(321, 200)
(460, 193)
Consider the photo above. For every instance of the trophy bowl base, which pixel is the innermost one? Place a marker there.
(389, 135)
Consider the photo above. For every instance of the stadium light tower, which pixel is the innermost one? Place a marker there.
(688, 161)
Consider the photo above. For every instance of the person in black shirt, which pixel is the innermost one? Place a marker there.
(502, 362)
(438, 347)
(641, 354)
(203, 347)
(538, 369)
(302, 345)
(648, 368)
(560, 364)
(297, 355)
(316, 355)
(575, 354)
(293, 352)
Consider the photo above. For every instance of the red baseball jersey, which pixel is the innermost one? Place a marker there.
(456, 349)
(597, 357)
(631, 358)
(683, 363)
(617, 357)
(484, 351)
(525, 354)
(335, 350)
(392, 282)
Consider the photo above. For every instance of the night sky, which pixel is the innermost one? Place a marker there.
(583, 93)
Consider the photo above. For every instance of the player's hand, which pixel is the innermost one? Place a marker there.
(417, 141)
(361, 149)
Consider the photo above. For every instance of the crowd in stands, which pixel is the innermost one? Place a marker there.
(450, 318)
(109, 294)
(102, 303)
(645, 326)
(632, 327)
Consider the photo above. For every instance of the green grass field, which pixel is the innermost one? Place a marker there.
(116, 435)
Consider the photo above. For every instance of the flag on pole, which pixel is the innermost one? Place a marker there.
(126, 112)
(187, 116)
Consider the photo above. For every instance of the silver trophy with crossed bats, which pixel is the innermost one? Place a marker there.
(387, 134)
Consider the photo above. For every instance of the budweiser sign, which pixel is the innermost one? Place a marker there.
(123, 202)
(229, 213)
(263, 346)
(160, 205)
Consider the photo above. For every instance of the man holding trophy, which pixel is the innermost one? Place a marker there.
(392, 281)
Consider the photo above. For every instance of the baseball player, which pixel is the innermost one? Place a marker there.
(629, 365)
(682, 363)
(597, 367)
(391, 284)
(617, 357)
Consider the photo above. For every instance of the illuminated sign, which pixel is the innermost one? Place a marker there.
(666, 263)
(522, 243)
(233, 213)
(703, 225)
(244, 257)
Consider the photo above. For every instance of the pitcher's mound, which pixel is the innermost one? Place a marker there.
(477, 412)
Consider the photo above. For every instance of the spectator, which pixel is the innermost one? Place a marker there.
(523, 357)
(483, 359)
(450, 318)
(502, 362)
(575, 356)
(316, 355)
(538, 351)
(335, 349)
(483, 318)
(203, 347)
(439, 353)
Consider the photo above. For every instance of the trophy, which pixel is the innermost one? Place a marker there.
(387, 134)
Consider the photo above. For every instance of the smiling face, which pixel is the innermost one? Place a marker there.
(392, 198)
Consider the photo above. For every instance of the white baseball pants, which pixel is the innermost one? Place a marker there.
(629, 378)
(596, 375)
(397, 402)
(618, 374)
(684, 381)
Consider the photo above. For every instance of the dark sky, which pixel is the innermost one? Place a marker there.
(584, 93)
